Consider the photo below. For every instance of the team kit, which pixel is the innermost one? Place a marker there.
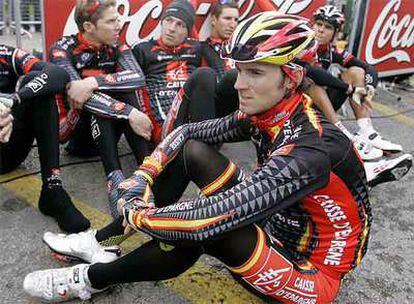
(289, 230)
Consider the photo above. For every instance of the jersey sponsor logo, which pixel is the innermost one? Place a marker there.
(96, 131)
(85, 57)
(59, 54)
(273, 275)
(164, 57)
(304, 284)
(342, 228)
(177, 142)
(182, 206)
(188, 56)
(176, 71)
(294, 296)
(285, 220)
(285, 150)
(118, 107)
(110, 78)
(37, 83)
(127, 75)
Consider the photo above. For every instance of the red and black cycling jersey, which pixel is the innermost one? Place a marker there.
(327, 55)
(114, 68)
(309, 191)
(166, 70)
(14, 63)
(211, 49)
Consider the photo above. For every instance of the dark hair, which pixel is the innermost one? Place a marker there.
(218, 7)
(90, 10)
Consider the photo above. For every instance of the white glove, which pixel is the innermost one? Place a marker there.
(370, 93)
(6, 100)
(358, 95)
(6, 123)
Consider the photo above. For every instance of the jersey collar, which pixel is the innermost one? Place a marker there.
(273, 120)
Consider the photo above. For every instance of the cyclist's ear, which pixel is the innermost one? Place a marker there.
(294, 79)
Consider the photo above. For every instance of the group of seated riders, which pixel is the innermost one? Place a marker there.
(302, 214)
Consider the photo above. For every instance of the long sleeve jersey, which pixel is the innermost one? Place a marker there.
(114, 68)
(327, 55)
(14, 63)
(211, 49)
(166, 70)
(309, 191)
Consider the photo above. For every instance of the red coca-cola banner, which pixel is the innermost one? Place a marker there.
(387, 40)
(141, 18)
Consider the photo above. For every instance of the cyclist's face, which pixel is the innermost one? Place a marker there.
(260, 87)
(224, 26)
(325, 32)
(107, 28)
(173, 31)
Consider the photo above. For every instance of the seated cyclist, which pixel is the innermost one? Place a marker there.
(101, 102)
(358, 74)
(271, 228)
(27, 87)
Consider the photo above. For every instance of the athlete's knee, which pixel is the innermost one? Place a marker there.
(26, 78)
(354, 75)
(204, 77)
(195, 152)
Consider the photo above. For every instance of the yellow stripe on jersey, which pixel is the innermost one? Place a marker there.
(175, 224)
(311, 113)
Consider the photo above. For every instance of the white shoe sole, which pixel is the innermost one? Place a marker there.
(394, 173)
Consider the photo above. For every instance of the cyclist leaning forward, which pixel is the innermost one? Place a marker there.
(100, 103)
(303, 215)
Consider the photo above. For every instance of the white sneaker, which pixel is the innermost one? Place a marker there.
(378, 142)
(59, 285)
(388, 170)
(81, 246)
(365, 149)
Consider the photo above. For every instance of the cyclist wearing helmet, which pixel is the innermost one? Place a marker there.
(328, 21)
(290, 231)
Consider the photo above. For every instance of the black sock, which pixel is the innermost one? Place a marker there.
(112, 234)
(55, 202)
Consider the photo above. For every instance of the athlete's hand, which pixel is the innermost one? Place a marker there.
(140, 123)
(9, 100)
(135, 189)
(370, 93)
(133, 213)
(79, 91)
(6, 123)
(358, 95)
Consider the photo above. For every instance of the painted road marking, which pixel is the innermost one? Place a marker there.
(200, 284)
(386, 110)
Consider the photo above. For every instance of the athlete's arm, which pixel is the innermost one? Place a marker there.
(347, 60)
(99, 104)
(234, 127)
(283, 180)
(129, 77)
(325, 79)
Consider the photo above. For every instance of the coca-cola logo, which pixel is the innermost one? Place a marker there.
(391, 30)
(143, 23)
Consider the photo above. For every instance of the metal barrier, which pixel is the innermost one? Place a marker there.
(20, 22)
